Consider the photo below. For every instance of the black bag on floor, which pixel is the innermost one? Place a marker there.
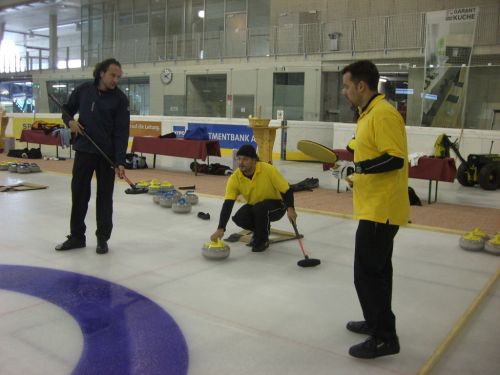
(307, 184)
(200, 167)
(134, 161)
(34, 153)
(218, 169)
(414, 199)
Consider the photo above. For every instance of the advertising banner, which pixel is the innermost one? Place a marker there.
(229, 136)
(141, 128)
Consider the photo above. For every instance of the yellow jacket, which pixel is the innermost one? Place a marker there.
(381, 197)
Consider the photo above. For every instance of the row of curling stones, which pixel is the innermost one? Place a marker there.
(155, 187)
(215, 250)
(478, 240)
(176, 200)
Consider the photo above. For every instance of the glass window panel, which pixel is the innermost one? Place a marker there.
(137, 91)
(174, 105)
(175, 17)
(214, 15)
(243, 105)
(125, 12)
(259, 12)
(109, 8)
(214, 28)
(140, 12)
(236, 6)
(194, 16)
(17, 96)
(206, 95)
(62, 90)
(236, 36)
(157, 5)
(288, 95)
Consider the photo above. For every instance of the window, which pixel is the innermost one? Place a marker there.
(206, 95)
(137, 90)
(175, 17)
(17, 96)
(288, 95)
(61, 90)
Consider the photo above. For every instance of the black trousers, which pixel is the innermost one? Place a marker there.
(84, 166)
(373, 275)
(258, 218)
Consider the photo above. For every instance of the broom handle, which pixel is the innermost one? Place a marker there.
(298, 238)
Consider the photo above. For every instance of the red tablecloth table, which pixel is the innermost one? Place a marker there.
(428, 168)
(38, 136)
(434, 169)
(184, 148)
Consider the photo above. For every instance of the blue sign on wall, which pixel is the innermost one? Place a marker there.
(229, 136)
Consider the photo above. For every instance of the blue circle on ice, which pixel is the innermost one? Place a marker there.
(123, 331)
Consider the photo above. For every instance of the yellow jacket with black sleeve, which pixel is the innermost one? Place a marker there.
(381, 197)
(266, 183)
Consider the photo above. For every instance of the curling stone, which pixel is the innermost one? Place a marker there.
(23, 168)
(474, 240)
(215, 250)
(156, 197)
(153, 188)
(165, 200)
(142, 184)
(191, 197)
(168, 198)
(13, 167)
(166, 186)
(182, 206)
(493, 246)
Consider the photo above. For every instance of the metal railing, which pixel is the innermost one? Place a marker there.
(387, 34)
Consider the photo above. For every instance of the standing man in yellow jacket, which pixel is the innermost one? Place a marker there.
(380, 204)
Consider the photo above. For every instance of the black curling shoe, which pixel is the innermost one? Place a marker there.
(102, 247)
(71, 243)
(359, 327)
(374, 347)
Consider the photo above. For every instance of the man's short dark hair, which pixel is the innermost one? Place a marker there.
(363, 70)
(248, 151)
(103, 67)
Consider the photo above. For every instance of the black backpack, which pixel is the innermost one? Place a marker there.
(414, 199)
(134, 161)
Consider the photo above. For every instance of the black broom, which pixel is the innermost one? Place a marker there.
(133, 188)
(306, 262)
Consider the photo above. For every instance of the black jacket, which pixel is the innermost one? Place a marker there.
(105, 116)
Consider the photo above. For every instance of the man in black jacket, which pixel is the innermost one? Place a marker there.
(104, 115)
